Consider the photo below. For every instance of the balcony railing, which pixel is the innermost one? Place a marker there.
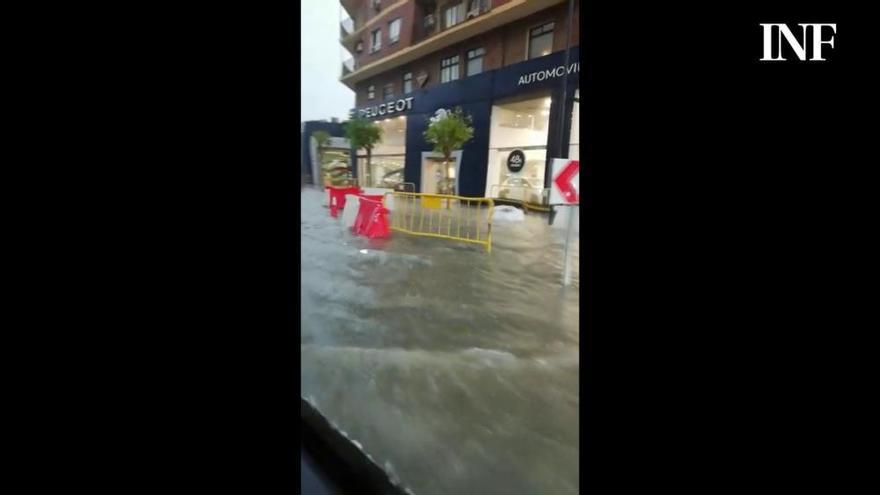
(348, 66)
(435, 22)
(346, 27)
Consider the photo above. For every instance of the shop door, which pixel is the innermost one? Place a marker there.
(434, 181)
(432, 175)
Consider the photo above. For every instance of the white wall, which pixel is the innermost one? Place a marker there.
(493, 172)
(574, 147)
(505, 137)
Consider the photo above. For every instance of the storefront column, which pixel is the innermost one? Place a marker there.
(353, 164)
(553, 144)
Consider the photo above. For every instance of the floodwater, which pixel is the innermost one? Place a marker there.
(455, 369)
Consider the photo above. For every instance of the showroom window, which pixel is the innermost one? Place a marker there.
(519, 125)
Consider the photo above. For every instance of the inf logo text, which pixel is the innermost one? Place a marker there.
(812, 32)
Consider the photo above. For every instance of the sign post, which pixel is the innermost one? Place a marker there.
(565, 191)
(566, 274)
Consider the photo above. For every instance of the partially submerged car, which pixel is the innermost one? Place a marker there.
(520, 189)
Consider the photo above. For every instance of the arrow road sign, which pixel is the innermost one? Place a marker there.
(566, 181)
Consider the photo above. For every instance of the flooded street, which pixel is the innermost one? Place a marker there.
(455, 369)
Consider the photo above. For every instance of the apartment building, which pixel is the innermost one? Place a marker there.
(501, 61)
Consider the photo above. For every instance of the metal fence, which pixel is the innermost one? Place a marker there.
(455, 218)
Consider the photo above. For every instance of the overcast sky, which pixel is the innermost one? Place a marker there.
(323, 96)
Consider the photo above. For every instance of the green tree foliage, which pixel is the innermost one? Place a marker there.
(363, 134)
(449, 132)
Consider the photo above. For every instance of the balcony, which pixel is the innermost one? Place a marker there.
(346, 28)
(439, 20)
(349, 65)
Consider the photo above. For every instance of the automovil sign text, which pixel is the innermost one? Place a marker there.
(542, 75)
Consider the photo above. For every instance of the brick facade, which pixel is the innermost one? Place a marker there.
(504, 46)
(381, 21)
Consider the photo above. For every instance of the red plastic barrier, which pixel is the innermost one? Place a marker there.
(372, 197)
(337, 198)
(372, 219)
(365, 209)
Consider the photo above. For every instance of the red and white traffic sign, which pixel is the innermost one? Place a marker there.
(566, 182)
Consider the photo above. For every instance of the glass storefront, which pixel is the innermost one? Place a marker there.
(528, 184)
(385, 171)
(387, 160)
(519, 125)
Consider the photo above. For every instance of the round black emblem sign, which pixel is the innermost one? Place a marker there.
(516, 161)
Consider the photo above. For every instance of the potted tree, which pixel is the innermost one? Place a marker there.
(362, 133)
(448, 131)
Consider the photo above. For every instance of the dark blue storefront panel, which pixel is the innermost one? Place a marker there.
(475, 154)
(507, 79)
(415, 144)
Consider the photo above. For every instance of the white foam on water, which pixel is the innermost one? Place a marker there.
(492, 354)
(506, 213)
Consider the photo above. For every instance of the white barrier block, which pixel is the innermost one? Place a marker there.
(376, 191)
(349, 213)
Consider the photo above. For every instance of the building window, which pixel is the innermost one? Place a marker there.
(449, 69)
(375, 40)
(371, 92)
(394, 31)
(407, 83)
(541, 41)
(453, 15)
(387, 91)
(475, 61)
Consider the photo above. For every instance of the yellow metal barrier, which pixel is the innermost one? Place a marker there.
(456, 218)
